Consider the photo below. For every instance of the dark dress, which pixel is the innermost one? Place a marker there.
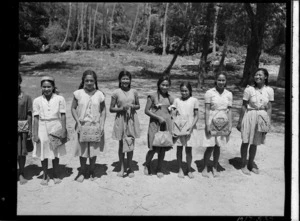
(24, 107)
(162, 111)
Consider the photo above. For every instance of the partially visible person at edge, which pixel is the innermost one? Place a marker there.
(125, 102)
(158, 109)
(186, 106)
(257, 100)
(24, 114)
(218, 100)
(49, 111)
(88, 108)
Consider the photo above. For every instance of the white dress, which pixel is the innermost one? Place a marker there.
(49, 113)
(88, 111)
(186, 109)
(218, 102)
(256, 98)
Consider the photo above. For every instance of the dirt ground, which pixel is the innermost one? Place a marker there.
(233, 193)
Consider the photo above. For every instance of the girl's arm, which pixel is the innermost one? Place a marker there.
(242, 112)
(150, 113)
(102, 116)
(63, 124)
(230, 119)
(29, 119)
(136, 105)
(269, 110)
(206, 117)
(36, 129)
(114, 109)
(74, 113)
(195, 120)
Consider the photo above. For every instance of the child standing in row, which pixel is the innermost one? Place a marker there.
(125, 102)
(218, 101)
(24, 128)
(88, 108)
(187, 107)
(157, 108)
(49, 112)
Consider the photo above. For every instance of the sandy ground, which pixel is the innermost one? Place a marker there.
(233, 193)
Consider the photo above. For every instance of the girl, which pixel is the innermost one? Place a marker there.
(256, 101)
(217, 100)
(49, 111)
(157, 108)
(24, 114)
(186, 106)
(88, 108)
(125, 102)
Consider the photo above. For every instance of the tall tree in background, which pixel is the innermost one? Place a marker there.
(135, 20)
(258, 22)
(149, 22)
(90, 24)
(217, 6)
(164, 30)
(80, 26)
(68, 27)
(75, 27)
(94, 25)
(111, 25)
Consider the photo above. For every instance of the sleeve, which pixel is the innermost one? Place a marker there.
(207, 97)
(62, 105)
(271, 94)
(196, 104)
(29, 104)
(247, 93)
(101, 96)
(76, 94)
(36, 107)
(230, 98)
(115, 94)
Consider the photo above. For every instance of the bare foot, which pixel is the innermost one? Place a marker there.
(190, 175)
(44, 181)
(204, 173)
(22, 180)
(121, 173)
(57, 180)
(216, 173)
(80, 178)
(160, 175)
(146, 171)
(254, 170)
(180, 174)
(245, 170)
(131, 174)
(92, 178)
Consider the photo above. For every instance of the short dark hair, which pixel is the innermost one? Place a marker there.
(122, 74)
(266, 73)
(188, 86)
(53, 85)
(88, 72)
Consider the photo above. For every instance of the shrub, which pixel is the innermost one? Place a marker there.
(147, 49)
(54, 34)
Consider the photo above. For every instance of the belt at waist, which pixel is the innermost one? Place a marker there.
(52, 119)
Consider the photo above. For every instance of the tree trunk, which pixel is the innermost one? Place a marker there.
(111, 25)
(183, 41)
(207, 35)
(82, 25)
(258, 22)
(135, 20)
(94, 25)
(68, 26)
(86, 26)
(75, 25)
(164, 31)
(215, 27)
(79, 27)
(201, 73)
(281, 75)
(103, 24)
(149, 24)
(221, 65)
(90, 25)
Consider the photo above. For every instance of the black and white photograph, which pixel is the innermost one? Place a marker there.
(155, 109)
